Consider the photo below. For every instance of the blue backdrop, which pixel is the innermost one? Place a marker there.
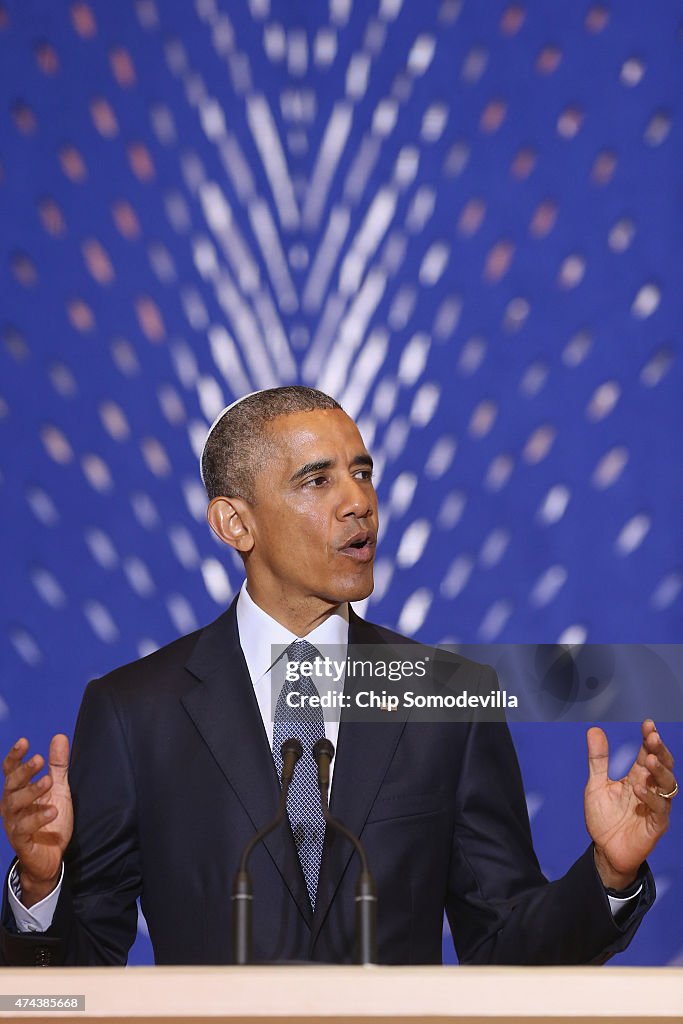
(462, 219)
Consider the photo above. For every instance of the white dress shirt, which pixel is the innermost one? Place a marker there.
(259, 633)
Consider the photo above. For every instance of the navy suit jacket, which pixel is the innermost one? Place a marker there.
(171, 773)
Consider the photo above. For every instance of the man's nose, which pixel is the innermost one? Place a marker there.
(356, 500)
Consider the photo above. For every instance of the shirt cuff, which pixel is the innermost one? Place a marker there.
(39, 917)
(622, 905)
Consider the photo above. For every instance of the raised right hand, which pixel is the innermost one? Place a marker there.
(38, 816)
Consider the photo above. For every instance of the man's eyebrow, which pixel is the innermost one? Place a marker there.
(311, 467)
(321, 464)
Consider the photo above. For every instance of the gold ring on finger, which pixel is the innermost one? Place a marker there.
(668, 796)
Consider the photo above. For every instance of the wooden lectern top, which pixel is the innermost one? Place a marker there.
(351, 995)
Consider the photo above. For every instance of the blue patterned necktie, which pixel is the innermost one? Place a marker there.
(303, 803)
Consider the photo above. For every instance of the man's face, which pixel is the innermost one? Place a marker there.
(314, 520)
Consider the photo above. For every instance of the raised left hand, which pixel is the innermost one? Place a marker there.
(626, 817)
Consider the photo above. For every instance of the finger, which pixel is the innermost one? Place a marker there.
(22, 798)
(654, 744)
(662, 778)
(598, 753)
(22, 775)
(657, 804)
(27, 824)
(15, 755)
(58, 758)
(648, 729)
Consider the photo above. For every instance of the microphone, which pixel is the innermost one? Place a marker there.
(366, 894)
(242, 891)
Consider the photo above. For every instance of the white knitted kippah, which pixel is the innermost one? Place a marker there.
(215, 423)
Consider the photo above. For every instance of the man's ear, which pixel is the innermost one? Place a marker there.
(228, 519)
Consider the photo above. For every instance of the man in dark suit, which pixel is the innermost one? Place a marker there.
(172, 768)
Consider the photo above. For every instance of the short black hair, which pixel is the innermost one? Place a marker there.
(237, 445)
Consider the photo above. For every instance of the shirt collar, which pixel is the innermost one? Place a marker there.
(258, 632)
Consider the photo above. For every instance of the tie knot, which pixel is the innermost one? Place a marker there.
(301, 651)
(299, 659)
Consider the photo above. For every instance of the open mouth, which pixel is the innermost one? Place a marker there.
(361, 549)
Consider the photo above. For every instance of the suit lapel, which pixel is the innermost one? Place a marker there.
(224, 710)
(364, 751)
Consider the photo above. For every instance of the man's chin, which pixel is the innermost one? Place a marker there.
(359, 589)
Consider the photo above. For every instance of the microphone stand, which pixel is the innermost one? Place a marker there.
(366, 894)
(242, 891)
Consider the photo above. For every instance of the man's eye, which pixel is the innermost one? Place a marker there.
(364, 474)
(316, 481)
